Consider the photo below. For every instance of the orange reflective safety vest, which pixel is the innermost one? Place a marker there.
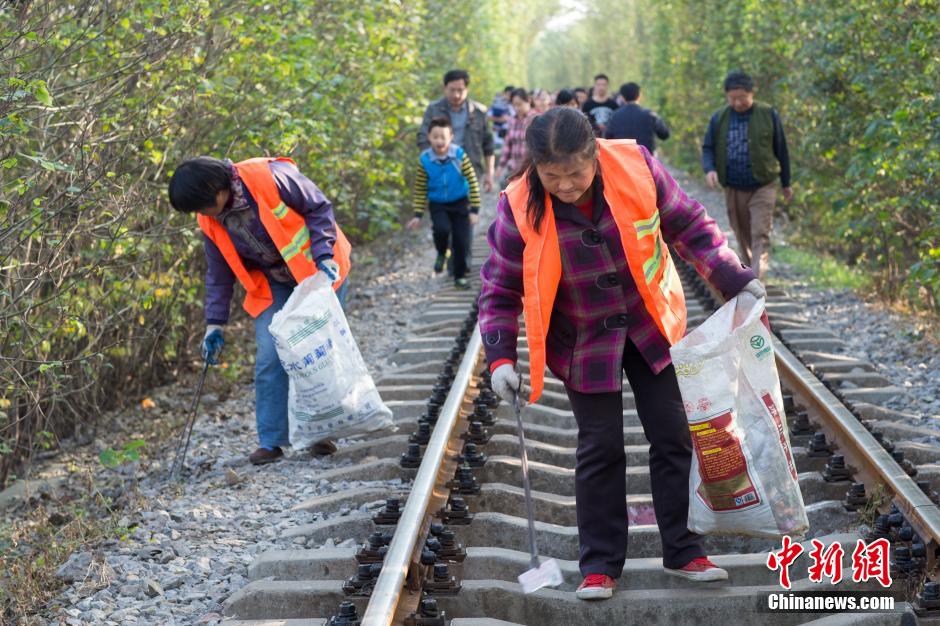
(631, 194)
(285, 226)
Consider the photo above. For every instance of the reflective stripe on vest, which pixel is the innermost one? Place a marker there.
(631, 195)
(287, 230)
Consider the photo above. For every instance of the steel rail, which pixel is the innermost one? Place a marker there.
(861, 450)
(388, 588)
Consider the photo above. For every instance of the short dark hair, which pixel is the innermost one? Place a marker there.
(519, 92)
(196, 182)
(508, 88)
(736, 79)
(604, 76)
(453, 75)
(580, 90)
(440, 122)
(565, 97)
(630, 91)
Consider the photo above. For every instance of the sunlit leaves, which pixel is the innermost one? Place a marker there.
(856, 84)
(101, 280)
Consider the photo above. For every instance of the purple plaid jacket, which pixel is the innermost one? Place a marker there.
(598, 306)
(514, 145)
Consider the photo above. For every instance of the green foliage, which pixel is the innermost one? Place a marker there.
(822, 270)
(603, 40)
(491, 38)
(856, 84)
(101, 282)
(130, 453)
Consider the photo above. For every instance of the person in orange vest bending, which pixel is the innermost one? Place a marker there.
(579, 248)
(269, 227)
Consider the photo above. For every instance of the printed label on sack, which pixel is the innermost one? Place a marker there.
(308, 328)
(726, 484)
(775, 414)
(762, 349)
(689, 369)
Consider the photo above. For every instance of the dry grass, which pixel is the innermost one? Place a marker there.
(924, 325)
(878, 499)
(39, 537)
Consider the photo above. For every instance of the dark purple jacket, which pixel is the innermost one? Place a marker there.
(252, 241)
(598, 305)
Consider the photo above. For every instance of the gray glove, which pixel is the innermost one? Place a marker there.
(507, 383)
(756, 289)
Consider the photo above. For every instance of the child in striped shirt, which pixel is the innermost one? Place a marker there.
(447, 186)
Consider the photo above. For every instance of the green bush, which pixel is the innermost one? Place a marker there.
(101, 283)
(856, 84)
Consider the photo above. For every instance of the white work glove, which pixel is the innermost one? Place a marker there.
(756, 289)
(507, 383)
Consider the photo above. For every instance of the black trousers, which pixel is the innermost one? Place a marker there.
(600, 473)
(450, 225)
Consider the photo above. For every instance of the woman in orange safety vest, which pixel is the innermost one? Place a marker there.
(579, 247)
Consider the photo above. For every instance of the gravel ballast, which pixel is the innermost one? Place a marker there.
(189, 550)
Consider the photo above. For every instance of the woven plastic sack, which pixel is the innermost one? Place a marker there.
(743, 478)
(331, 393)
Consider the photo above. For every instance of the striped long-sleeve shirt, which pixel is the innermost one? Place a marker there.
(598, 306)
(419, 193)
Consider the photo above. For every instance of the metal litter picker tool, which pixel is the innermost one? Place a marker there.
(548, 573)
(183, 446)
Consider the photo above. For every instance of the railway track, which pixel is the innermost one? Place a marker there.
(448, 546)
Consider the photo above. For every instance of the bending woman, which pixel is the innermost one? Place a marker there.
(579, 246)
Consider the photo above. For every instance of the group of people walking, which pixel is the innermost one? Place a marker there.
(745, 159)
(580, 246)
(617, 116)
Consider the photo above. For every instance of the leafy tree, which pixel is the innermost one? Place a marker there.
(101, 283)
(856, 84)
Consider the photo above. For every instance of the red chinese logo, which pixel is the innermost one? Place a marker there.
(781, 560)
(869, 561)
(826, 562)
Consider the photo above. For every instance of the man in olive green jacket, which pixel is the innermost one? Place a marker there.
(744, 151)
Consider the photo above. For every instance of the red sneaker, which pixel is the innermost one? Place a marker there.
(699, 570)
(596, 587)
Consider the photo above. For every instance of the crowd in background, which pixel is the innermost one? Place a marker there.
(612, 116)
(744, 151)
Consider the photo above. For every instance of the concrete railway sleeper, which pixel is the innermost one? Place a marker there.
(447, 548)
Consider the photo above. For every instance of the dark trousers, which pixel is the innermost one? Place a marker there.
(600, 473)
(450, 224)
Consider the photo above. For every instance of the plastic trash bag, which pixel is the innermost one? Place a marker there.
(331, 392)
(743, 478)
